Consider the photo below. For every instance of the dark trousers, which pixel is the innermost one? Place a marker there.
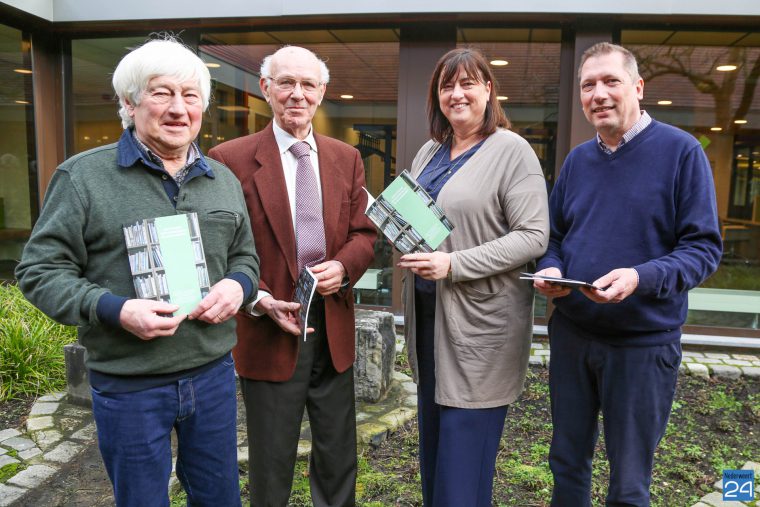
(274, 413)
(632, 386)
(458, 446)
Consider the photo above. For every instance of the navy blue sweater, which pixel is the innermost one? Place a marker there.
(649, 205)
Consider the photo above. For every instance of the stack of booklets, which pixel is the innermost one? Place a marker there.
(167, 260)
(408, 216)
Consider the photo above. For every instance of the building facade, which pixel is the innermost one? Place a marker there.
(700, 62)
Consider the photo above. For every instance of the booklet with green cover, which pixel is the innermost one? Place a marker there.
(408, 216)
(167, 260)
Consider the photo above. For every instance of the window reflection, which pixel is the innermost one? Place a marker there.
(18, 172)
(707, 84)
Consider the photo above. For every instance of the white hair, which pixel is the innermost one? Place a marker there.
(266, 66)
(164, 57)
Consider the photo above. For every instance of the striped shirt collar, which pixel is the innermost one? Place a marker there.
(193, 154)
(640, 125)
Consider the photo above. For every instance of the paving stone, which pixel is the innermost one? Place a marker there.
(751, 465)
(751, 371)
(88, 433)
(52, 397)
(19, 443)
(715, 499)
(9, 494)
(711, 361)
(32, 476)
(538, 346)
(3, 450)
(698, 370)
(737, 362)
(726, 371)
(47, 438)
(689, 353)
(371, 433)
(717, 355)
(304, 448)
(746, 357)
(535, 361)
(30, 453)
(700, 504)
(687, 359)
(64, 452)
(410, 387)
(39, 423)
(44, 408)
(6, 434)
(242, 455)
(411, 400)
(396, 418)
(543, 352)
(7, 460)
(362, 416)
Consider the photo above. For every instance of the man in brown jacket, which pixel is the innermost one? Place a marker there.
(305, 198)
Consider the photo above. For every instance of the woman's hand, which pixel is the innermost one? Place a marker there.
(430, 266)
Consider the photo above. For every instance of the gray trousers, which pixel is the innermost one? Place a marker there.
(274, 412)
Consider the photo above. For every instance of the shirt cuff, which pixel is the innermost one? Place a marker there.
(250, 308)
(244, 282)
(108, 309)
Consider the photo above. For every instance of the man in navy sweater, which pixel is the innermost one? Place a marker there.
(634, 211)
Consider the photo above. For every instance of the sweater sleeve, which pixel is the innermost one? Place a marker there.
(553, 256)
(50, 273)
(698, 248)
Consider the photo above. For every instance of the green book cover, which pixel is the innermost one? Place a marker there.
(409, 217)
(167, 260)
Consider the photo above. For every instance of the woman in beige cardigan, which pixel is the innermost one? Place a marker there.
(468, 317)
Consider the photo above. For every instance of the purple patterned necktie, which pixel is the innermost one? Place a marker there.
(310, 229)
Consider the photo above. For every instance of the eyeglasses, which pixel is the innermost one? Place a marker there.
(288, 84)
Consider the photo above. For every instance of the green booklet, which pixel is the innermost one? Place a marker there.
(167, 260)
(408, 216)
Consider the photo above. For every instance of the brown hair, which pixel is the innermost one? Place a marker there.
(605, 48)
(475, 65)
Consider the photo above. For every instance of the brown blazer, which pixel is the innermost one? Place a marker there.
(264, 351)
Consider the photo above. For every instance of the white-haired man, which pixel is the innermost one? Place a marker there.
(305, 197)
(150, 372)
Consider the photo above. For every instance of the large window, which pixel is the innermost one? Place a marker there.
(359, 107)
(18, 172)
(93, 61)
(526, 64)
(707, 84)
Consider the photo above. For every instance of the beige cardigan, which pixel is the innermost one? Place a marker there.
(484, 313)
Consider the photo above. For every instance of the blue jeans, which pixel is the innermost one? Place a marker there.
(134, 436)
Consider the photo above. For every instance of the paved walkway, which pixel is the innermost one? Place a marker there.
(58, 434)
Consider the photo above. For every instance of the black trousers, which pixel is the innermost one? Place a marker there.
(633, 387)
(274, 412)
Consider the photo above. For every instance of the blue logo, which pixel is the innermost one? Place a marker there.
(738, 485)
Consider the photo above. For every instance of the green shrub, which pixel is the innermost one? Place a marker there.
(31, 347)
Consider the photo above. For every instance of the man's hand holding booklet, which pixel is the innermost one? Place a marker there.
(564, 282)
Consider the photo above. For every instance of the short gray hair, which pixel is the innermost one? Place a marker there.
(266, 66)
(160, 57)
(605, 48)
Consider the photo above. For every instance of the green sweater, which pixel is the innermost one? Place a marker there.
(77, 254)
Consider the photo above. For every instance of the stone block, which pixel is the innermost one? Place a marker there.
(715, 499)
(6, 434)
(52, 397)
(535, 361)
(751, 371)
(745, 357)
(689, 353)
(375, 354)
(9, 494)
(751, 465)
(3, 450)
(717, 355)
(7, 460)
(304, 448)
(39, 423)
(726, 371)
(64, 453)
(538, 346)
(30, 453)
(698, 370)
(47, 438)
(737, 362)
(19, 443)
(543, 352)
(77, 378)
(40, 408)
(86, 433)
(32, 476)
